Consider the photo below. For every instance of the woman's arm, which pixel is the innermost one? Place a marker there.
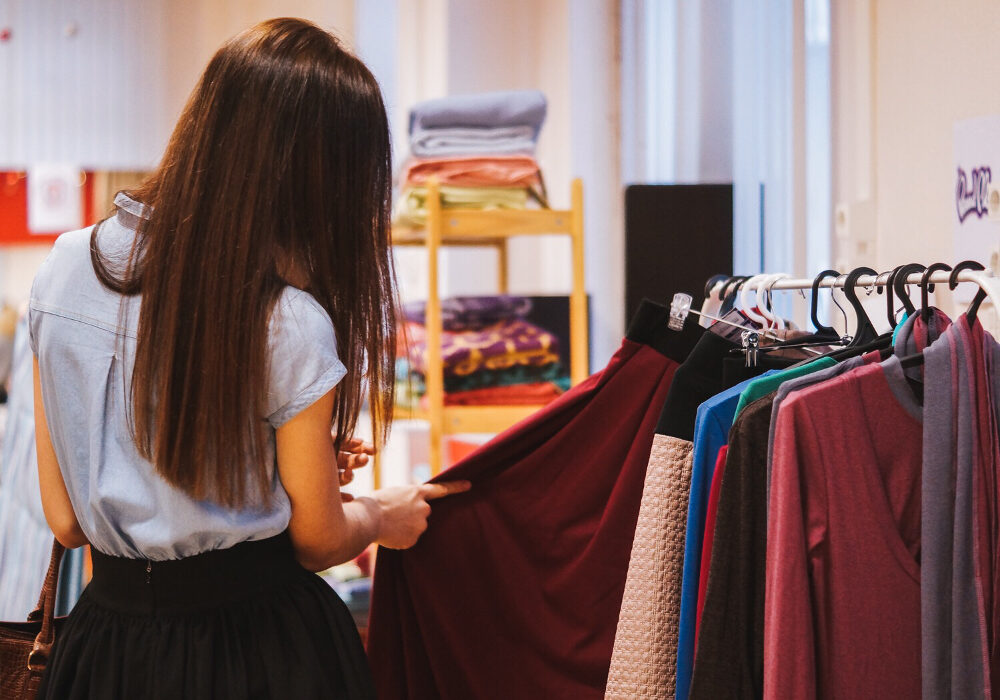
(324, 530)
(56, 505)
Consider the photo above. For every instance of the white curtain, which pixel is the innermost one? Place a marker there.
(736, 91)
(676, 91)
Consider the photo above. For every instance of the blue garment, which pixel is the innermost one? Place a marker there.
(85, 360)
(711, 432)
(902, 322)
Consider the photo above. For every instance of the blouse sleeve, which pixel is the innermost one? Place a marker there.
(304, 364)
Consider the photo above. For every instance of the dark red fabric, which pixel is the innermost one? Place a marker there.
(514, 590)
(706, 548)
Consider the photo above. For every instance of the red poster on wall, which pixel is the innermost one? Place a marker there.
(14, 209)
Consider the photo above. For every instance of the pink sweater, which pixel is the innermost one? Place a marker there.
(842, 602)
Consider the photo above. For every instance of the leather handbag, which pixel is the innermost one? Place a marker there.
(25, 646)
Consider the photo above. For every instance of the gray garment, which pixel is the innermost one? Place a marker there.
(952, 642)
(85, 358)
(791, 385)
(488, 123)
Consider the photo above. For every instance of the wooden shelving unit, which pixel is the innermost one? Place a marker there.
(493, 229)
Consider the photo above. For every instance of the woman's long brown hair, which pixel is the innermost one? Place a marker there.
(280, 163)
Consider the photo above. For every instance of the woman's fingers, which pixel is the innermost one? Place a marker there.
(431, 492)
(351, 460)
(356, 445)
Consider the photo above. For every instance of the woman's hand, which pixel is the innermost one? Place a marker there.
(405, 510)
(353, 455)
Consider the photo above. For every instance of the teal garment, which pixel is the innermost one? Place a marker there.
(762, 386)
(895, 331)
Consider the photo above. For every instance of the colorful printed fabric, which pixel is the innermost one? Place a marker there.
(498, 347)
(471, 313)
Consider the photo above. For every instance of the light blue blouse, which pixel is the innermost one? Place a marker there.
(124, 507)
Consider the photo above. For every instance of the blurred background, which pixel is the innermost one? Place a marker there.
(709, 136)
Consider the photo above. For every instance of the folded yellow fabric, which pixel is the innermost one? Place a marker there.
(411, 207)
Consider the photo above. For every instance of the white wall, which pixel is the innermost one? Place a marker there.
(100, 83)
(81, 83)
(904, 72)
(930, 64)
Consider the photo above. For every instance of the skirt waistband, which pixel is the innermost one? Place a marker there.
(206, 580)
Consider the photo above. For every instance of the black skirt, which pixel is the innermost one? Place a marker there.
(245, 622)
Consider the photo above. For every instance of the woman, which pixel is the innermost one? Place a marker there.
(192, 352)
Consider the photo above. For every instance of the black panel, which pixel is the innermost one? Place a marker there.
(676, 237)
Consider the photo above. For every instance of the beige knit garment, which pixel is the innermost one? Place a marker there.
(644, 661)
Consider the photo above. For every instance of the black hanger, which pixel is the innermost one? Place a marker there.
(917, 359)
(899, 284)
(814, 303)
(712, 281)
(865, 332)
(890, 304)
(728, 293)
(980, 295)
(724, 291)
(926, 287)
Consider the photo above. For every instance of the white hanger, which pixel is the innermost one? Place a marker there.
(765, 288)
(745, 304)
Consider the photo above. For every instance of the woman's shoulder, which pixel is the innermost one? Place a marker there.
(304, 363)
(60, 272)
(297, 311)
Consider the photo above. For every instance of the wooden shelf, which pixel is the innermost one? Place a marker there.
(468, 227)
(473, 419)
(472, 227)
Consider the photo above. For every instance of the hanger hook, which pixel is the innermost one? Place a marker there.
(751, 284)
(926, 287)
(713, 282)
(961, 267)
(899, 283)
(980, 295)
(890, 306)
(814, 302)
(865, 331)
(843, 311)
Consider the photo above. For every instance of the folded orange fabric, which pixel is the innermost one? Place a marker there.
(473, 171)
(539, 393)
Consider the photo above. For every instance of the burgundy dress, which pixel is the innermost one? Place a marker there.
(514, 590)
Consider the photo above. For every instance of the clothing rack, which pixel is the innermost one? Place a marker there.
(986, 281)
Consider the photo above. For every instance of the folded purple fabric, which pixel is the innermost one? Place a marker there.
(471, 313)
(487, 110)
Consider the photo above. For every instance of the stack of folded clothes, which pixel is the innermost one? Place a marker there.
(481, 149)
(491, 354)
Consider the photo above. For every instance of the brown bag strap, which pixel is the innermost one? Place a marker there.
(46, 610)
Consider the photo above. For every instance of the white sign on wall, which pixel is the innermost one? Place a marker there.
(977, 164)
(55, 199)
